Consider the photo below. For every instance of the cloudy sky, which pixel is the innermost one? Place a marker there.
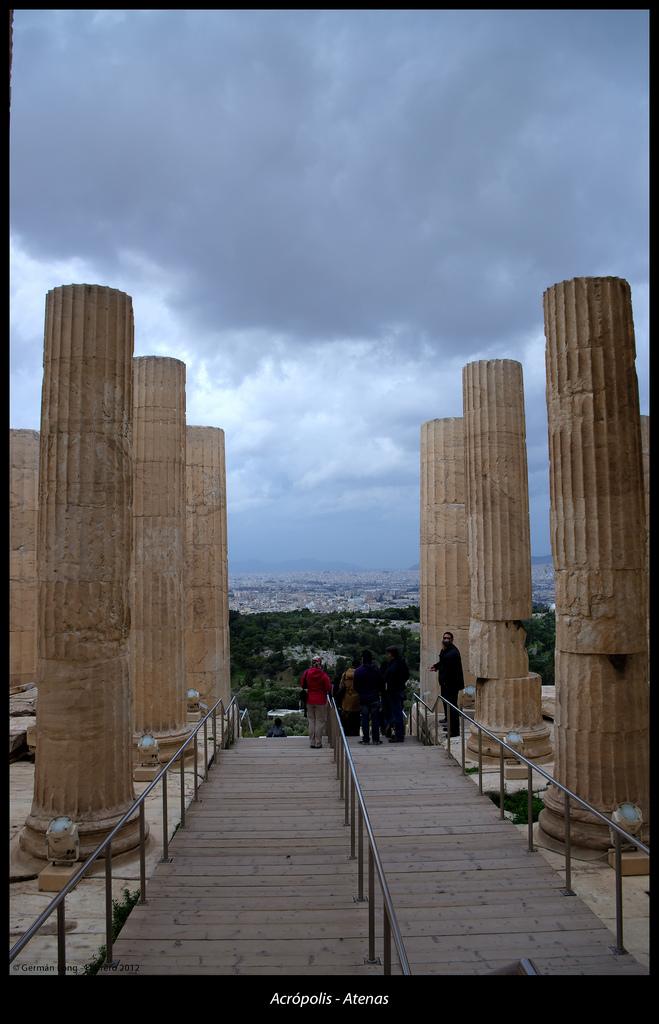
(326, 214)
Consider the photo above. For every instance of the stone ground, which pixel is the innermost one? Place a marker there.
(85, 906)
(593, 881)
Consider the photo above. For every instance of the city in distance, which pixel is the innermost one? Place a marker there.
(321, 588)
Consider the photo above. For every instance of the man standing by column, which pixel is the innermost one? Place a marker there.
(451, 680)
(317, 684)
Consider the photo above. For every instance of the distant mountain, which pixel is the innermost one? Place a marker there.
(413, 568)
(540, 559)
(293, 565)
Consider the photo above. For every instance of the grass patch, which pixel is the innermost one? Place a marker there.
(120, 911)
(472, 770)
(517, 804)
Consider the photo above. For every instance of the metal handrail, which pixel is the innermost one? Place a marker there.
(244, 714)
(619, 832)
(344, 760)
(105, 847)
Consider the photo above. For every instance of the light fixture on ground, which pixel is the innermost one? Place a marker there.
(192, 700)
(515, 769)
(63, 845)
(147, 749)
(633, 862)
(467, 698)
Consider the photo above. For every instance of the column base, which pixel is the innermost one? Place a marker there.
(168, 743)
(537, 743)
(585, 829)
(32, 838)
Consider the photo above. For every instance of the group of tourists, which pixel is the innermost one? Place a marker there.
(370, 696)
(367, 696)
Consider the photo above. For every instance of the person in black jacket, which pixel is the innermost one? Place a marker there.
(450, 678)
(368, 683)
(396, 674)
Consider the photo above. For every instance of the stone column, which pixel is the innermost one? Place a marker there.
(508, 696)
(444, 572)
(598, 546)
(83, 762)
(24, 505)
(157, 578)
(645, 446)
(207, 577)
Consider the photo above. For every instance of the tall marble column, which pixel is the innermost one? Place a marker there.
(645, 446)
(598, 546)
(508, 696)
(157, 577)
(444, 571)
(23, 588)
(207, 577)
(83, 763)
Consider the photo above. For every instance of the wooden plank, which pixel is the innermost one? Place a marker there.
(263, 883)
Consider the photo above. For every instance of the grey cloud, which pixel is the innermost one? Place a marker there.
(337, 173)
(412, 181)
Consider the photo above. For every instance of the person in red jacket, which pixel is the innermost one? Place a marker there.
(317, 684)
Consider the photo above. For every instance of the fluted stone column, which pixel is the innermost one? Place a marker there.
(444, 572)
(508, 696)
(207, 577)
(157, 577)
(645, 446)
(598, 546)
(24, 506)
(83, 762)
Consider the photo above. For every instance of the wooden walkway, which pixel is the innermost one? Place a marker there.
(261, 881)
(468, 895)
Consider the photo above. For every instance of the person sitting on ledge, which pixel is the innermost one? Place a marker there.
(276, 729)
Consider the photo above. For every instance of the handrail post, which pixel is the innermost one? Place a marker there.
(222, 729)
(371, 905)
(387, 942)
(215, 733)
(502, 788)
(205, 750)
(346, 789)
(480, 760)
(61, 939)
(142, 855)
(165, 837)
(462, 742)
(108, 903)
(568, 849)
(196, 759)
(352, 818)
(530, 810)
(436, 726)
(619, 949)
(183, 790)
(360, 862)
(425, 713)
